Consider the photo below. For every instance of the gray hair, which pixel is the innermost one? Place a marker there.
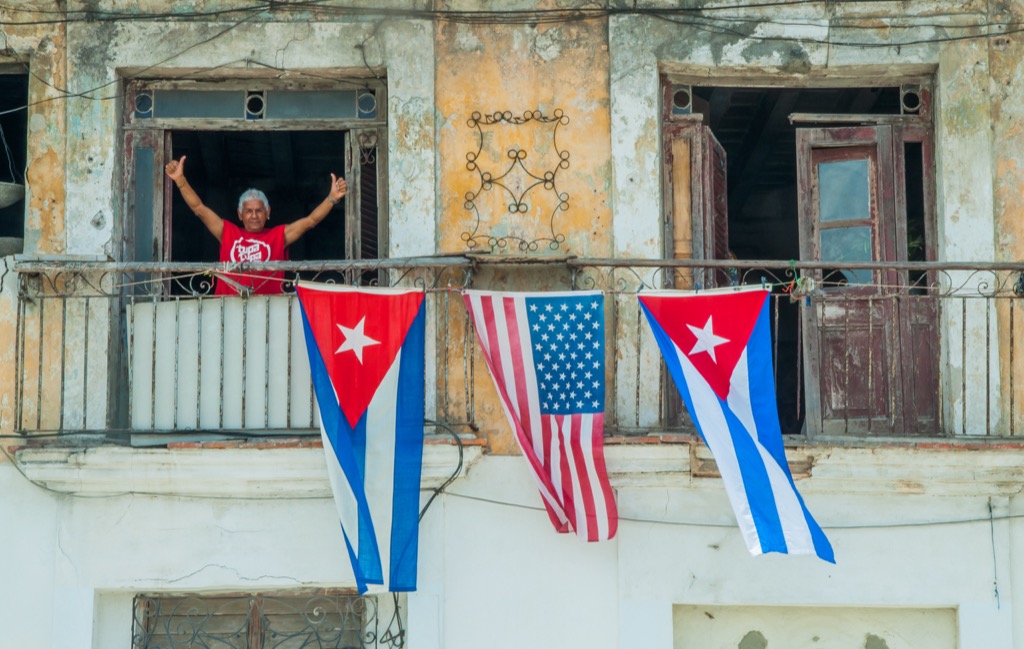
(253, 195)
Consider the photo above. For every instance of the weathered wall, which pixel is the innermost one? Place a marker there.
(40, 47)
(524, 158)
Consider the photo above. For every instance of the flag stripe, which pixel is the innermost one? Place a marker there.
(346, 480)
(408, 460)
(568, 467)
(780, 497)
(379, 477)
(597, 493)
(484, 319)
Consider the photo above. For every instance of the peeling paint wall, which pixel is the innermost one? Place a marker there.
(524, 159)
(517, 79)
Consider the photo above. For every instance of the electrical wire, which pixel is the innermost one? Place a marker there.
(700, 18)
(865, 526)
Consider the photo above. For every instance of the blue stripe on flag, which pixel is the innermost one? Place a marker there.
(408, 459)
(766, 414)
(756, 485)
(340, 435)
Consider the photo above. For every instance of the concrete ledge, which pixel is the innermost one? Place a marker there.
(297, 471)
(265, 472)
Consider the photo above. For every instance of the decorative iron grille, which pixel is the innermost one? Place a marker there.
(256, 621)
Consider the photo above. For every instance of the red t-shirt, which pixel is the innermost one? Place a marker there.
(237, 245)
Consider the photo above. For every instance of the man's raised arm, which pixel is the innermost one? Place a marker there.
(175, 170)
(296, 229)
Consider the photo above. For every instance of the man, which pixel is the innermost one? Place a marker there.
(253, 242)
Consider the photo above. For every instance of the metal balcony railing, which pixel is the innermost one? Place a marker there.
(143, 351)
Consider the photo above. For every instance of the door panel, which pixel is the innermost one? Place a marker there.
(872, 346)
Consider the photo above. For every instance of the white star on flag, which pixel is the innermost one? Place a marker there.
(355, 340)
(706, 340)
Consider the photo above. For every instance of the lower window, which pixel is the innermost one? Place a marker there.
(335, 620)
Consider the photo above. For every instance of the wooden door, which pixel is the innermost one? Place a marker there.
(864, 339)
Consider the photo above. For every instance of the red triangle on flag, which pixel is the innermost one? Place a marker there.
(358, 333)
(711, 328)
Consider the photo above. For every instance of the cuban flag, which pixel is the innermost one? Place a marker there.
(366, 353)
(546, 355)
(717, 346)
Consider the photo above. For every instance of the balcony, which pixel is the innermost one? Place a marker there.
(141, 354)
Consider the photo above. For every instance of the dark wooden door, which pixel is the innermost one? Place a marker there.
(871, 343)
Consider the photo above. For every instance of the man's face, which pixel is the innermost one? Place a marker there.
(254, 215)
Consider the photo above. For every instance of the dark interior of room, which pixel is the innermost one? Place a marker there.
(13, 150)
(293, 168)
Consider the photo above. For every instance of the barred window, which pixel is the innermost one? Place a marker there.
(329, 620)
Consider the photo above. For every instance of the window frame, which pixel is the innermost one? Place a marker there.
(688, 125)
(156, 133)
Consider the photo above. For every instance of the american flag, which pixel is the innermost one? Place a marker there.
(546, 355)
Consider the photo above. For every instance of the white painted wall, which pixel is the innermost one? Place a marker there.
(492, 570)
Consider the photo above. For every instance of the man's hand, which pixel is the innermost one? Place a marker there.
(337, 191)
(175, 170)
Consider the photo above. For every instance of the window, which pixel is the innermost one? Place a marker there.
(828, 175)
(332, 620)
(13, 149)
(284, 140)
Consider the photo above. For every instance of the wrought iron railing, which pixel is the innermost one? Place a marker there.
(268, 621)
(144, 351)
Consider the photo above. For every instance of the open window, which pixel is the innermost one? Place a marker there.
(13, 153)
(283, 140)
(819, 174)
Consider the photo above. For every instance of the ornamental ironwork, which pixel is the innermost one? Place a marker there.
(330, 621)
(519, 182)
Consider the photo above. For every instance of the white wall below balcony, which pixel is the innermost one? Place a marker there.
(910, 528)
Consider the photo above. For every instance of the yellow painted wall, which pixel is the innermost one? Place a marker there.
(514, 101)
(40, 47)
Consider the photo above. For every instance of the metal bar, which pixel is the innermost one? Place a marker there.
(1011, 371)
(963, 364)
(131, 360)
(19, 365)
(288, 367)
(63, 357)
(399, 263)
(871, 359)
(266, 369)
(846, 373)
(85, 366)
(245, 341)
(471, 383)
(220, 387)
(988, 371)
(614, 418)
(775, 342)
(445, 352)
(615, 361)
(39, 388)
(199, 359)
(152, 369)
(177, 355)
(799, 365)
